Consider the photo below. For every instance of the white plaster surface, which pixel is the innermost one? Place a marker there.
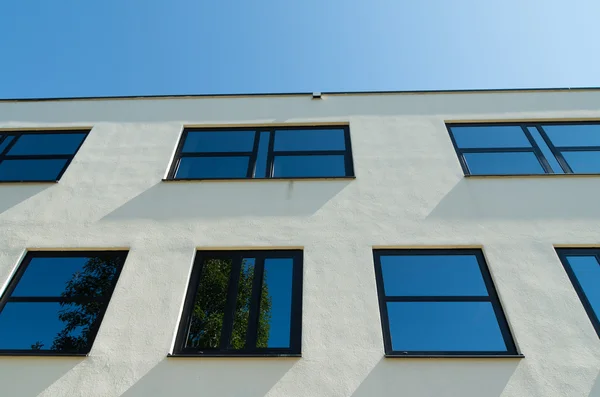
(409, 191)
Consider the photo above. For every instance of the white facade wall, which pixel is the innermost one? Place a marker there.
(409, 191)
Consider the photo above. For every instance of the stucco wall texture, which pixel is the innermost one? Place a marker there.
(409, 191)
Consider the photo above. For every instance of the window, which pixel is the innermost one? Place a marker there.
(279, 152)
(527, 148)
(243, 303)
(439, 303)
(55, 303)
(31, 156)
(583, 267)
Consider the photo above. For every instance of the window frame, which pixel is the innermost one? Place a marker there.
(22, 268)
(512, 350)
(562, 255)
(180, 350)
(557, 151)
(271, 153)
(18, 133)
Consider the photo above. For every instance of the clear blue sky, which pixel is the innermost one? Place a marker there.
(58, 48)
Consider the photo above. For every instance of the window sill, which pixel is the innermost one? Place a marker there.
(40, 354)
(233, 355)
(332, 178)
(511, 356)
(533, 176)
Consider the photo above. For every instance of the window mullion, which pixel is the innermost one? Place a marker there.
(254, 315)
(537, 151)
(253, 156)
(270, 154)
(557, 154)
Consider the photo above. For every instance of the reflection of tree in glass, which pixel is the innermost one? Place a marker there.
(209, 306)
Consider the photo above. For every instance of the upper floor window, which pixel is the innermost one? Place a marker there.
(55, 302)
(243, 303)
(261, 152)
(37, 156)
(527, 148)
(439, 302)
(583, 267)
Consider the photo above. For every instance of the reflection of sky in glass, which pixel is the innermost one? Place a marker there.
(48, 276)
(278, 279)
(37, 144)
(219, 141)
(4, 143)
(213, 167)
(309, 166)
(587, 271)
(537, 137)
(583, 162)
(574, 135)
(31, 170)
(294, 140)
(490, 137)
(503, 163)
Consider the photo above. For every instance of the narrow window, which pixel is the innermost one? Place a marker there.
(243, 303)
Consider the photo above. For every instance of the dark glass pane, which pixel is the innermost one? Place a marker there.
(537, 137)
(213, 167)
(309, 166)
(261, 158)
(276, 304)
(206, 321)
(432, 275)
(490, 137)
(242, 306)
(47, 326)
(587, 271)
(503, 163)
(574, 134)
(323, 139)
(444, 327)
(583, 162)
(68, 277)
(31, 170)
(219, 141)
(5, 142)
(47, 144)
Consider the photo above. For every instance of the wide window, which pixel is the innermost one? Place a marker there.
(55, 303)
(439, 302)
(583, 267)
(280, 152)
(32, 156)
(243, 303)
(527, 148)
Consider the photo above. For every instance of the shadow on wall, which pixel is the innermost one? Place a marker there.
(211, 377)
(595, 392)
(179, 200)
(30, 376)
(437, 378)
(11, 195)
(520, 199)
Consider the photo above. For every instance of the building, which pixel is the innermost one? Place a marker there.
(487, 282)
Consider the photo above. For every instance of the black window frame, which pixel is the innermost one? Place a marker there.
(271, 153)
(562, 255)
(512, 350)
(14, 282)
(295, 348)
(18, 133)
(538, 125)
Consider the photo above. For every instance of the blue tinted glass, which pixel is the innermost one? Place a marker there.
(5, 142)
(574, 134)
(324, 139)
(276, 304)
(503, 163)
(31, 170)
(261, 158)
(219, 141)
(241, 316)
(432, 275)
(490, 137)
(213, 167)
(535, 134)
(587, 271)
(444, 327)
(583, 162)
(309, 166)
(47, 144)
(46, 326)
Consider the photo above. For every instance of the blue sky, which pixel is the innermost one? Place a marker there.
(150, 47)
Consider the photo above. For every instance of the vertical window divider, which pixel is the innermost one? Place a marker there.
(348, 159)
(270, 154)
(252, 160)
(253, 317)
(538, 153)
(229, 314)
(557, 154)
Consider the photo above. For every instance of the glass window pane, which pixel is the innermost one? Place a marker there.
(242, 307)
(213, 167)
(511, 163)
(47, 326)
(583, 162)
(5, 143)
(261, 158)
(432, 275)
(309, 166)
(574, 134)
(219, 141)
(587, 271)
(31, 170)
(444, 327)
(276, 304)
(68, 277)
(208, 312)
(537, 137)
(46, 144)
(323, 139)
(502, 136)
